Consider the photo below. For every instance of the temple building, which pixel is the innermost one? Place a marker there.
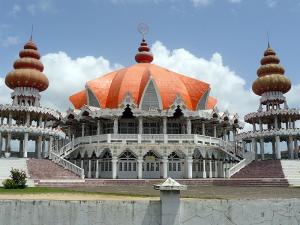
(145, 121)
(25, 119)
(274, 121)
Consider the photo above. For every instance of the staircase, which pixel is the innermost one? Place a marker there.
(259, 173)
(17, 163)
(291, 170)
(43, 170)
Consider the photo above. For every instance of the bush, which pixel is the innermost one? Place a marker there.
(9, 184)
(17, 179)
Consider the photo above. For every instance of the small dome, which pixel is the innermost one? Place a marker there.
(270, 75)
(28, 70)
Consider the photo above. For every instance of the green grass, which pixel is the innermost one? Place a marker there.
(47, 190)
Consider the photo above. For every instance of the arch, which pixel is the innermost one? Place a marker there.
(151, 98)
(127, 155)
(203, 101)
(91, 99)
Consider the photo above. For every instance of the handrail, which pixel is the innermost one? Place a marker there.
(249, 157)
(67, 165)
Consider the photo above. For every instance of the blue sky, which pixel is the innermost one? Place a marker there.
(235, 29)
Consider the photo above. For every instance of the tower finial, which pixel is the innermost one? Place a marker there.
(31, 32)
(143, 29)
(268, 39)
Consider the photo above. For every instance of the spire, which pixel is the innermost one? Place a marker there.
(28, 69)
(144, 55)
(270, 75)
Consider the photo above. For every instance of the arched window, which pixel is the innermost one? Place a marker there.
(92, 100)
(151, 98)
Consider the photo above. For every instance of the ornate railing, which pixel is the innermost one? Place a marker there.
(229, 147)
(67, 164)
(248, 158)
(268, 133)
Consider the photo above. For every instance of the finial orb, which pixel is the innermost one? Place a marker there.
(143, 29)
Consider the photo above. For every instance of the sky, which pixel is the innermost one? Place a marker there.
(217, 41)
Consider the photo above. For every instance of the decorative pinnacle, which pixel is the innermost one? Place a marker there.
(143, 29)
(31, 32)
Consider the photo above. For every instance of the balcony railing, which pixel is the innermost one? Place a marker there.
(227, 146)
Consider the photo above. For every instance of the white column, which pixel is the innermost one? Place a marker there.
(203, 128)
(216, 168)
(27, 119)
(82, 129)
(1, 142)
(44, 148)
(21, 148)
(81, 164)
(97, 168)
(296, 148)
(260, 125)
(262, 148)
(40, 121)
(290, 123)
(188, 126)
(254, 147)
(165, 166)
(8, 142)
(116, 124)
(189, 161)
(98, 127)
(114, 167)
(254, 127)
(224, 134)
(90, 168)
(140, 167)
(39, 147)
(290, 147)
(277, 151)
(10, 119)
(165, 129)
(210, 168)
(276, 122)
(204, 169)
(50, 144)
(140, 125)
(215, 130)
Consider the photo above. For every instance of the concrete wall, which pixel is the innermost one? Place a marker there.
(192, 212)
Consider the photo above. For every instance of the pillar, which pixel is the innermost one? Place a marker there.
(165, 125)
(290, 147)
(140, 125)
(277, 151)
(189, 162)
(215, 130)
(254, 147)
(50, 144)
(82, 129)
(21, 148)
(90, 169)
(254, 127)
(188, 126)
(98, 127)
(203, 128)
(39, 147)
(224, 134)
(1, 143)
(81, 164)
(276, 122)
(204, 169)
(296, 148)
(40, 121)
(114, 167)
(97, 169)
(140, 167)
(27, 119)
(210, 168)
(290, 123)
(216, 168)
(165, 167)
(44, 148)
(260, 125)
(8, 142)
(273, 149)
(262, 148)
(116, 124)
(9, 119)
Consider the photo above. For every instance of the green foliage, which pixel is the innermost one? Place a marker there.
(9, 184)
(18, 180)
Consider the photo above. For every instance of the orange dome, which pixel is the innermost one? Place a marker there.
(270, 75)
(111, 88)
(28, 70)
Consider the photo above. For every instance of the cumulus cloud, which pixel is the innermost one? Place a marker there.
(67, 76)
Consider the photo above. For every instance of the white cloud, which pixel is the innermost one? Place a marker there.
(207, 2)
(271, 3)
(68, 76)
(39, 6)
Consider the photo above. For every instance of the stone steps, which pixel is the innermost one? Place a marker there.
(291, 170)
(40, 169)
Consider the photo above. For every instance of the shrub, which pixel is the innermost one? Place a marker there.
(19, 177)
(9, 184)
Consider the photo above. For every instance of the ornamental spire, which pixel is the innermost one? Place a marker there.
(28, 69)
(144, 55)
(270, 75)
